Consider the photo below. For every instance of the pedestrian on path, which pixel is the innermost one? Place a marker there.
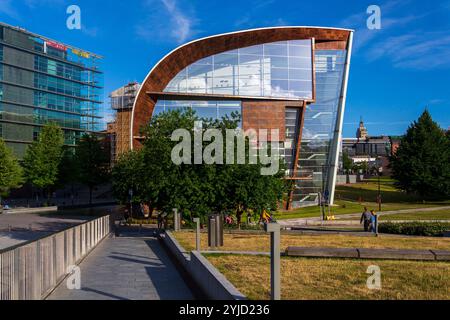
(366, 218)
(373, 221)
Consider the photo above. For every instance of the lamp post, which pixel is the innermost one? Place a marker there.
(379, 172)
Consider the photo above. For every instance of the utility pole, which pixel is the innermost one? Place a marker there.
(379, 172)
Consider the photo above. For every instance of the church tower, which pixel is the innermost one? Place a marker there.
(362, 133)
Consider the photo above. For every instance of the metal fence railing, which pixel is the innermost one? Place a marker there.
(31, 271)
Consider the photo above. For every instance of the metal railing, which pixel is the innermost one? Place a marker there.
(31, 271)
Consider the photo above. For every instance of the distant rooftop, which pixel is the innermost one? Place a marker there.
(35, 35)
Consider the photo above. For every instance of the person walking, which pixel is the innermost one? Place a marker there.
(373, 221)
(366, 218)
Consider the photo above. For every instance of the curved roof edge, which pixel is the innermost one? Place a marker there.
(205, 38)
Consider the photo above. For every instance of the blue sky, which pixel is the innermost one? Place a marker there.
(396, 71)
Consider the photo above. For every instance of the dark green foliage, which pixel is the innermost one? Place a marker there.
(11, 174)
(426, 229)
(42, 159)
(68, 168)
(421, 164)
(93, 161)
(196, 190)
(127, 175)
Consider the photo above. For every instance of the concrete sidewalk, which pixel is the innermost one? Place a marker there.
(127, 268)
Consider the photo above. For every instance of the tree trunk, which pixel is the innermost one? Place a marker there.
(90, 195)
(239, 217)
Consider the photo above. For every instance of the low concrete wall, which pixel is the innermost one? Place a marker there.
(210, 280)
(343, 179)
(180, 254)
(212, 283)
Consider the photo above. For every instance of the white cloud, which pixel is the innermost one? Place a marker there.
(396, 41)
(173, 21)
(417, 50)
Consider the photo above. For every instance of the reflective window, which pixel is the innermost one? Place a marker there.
(204, 109)
(319, 127)
(279, 69)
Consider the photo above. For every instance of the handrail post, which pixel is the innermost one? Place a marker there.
(197, 234)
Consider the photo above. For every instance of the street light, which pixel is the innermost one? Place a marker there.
(379, 172)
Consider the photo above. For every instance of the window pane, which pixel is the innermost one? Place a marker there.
(255, 50)
(278, 73)
(297, 51)
(206, 112)
(275, 50)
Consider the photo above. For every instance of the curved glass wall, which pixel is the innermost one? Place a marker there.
(319, 127)
(279, 69)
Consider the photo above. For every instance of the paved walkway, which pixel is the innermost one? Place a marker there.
(344, 217)
(127, 269)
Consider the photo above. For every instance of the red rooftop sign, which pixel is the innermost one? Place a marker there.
(56, 45)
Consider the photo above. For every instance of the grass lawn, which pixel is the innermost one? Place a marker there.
(261, 242)
(348, 199)
(336, 278)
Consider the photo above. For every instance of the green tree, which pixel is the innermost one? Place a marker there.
(42, 158)
(11, 175)
(347, 162)
(93, 160)
(421, 164)
(195, 190)
(127, 174)
(68, 170)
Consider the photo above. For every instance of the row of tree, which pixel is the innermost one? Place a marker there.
(49, 164)
(150, 176)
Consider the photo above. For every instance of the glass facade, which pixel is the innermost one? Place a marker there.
(279, 69)
(43, 81)
(282, 71)
(320, 127)
(204, 109)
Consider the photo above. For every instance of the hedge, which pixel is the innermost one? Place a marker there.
(427, 229)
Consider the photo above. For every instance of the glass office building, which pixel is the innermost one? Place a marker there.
(44, 81)
(289, 78)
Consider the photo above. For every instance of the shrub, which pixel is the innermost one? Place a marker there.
(427, 229)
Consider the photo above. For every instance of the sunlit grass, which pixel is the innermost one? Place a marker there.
(318, 279)
(261, 242)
